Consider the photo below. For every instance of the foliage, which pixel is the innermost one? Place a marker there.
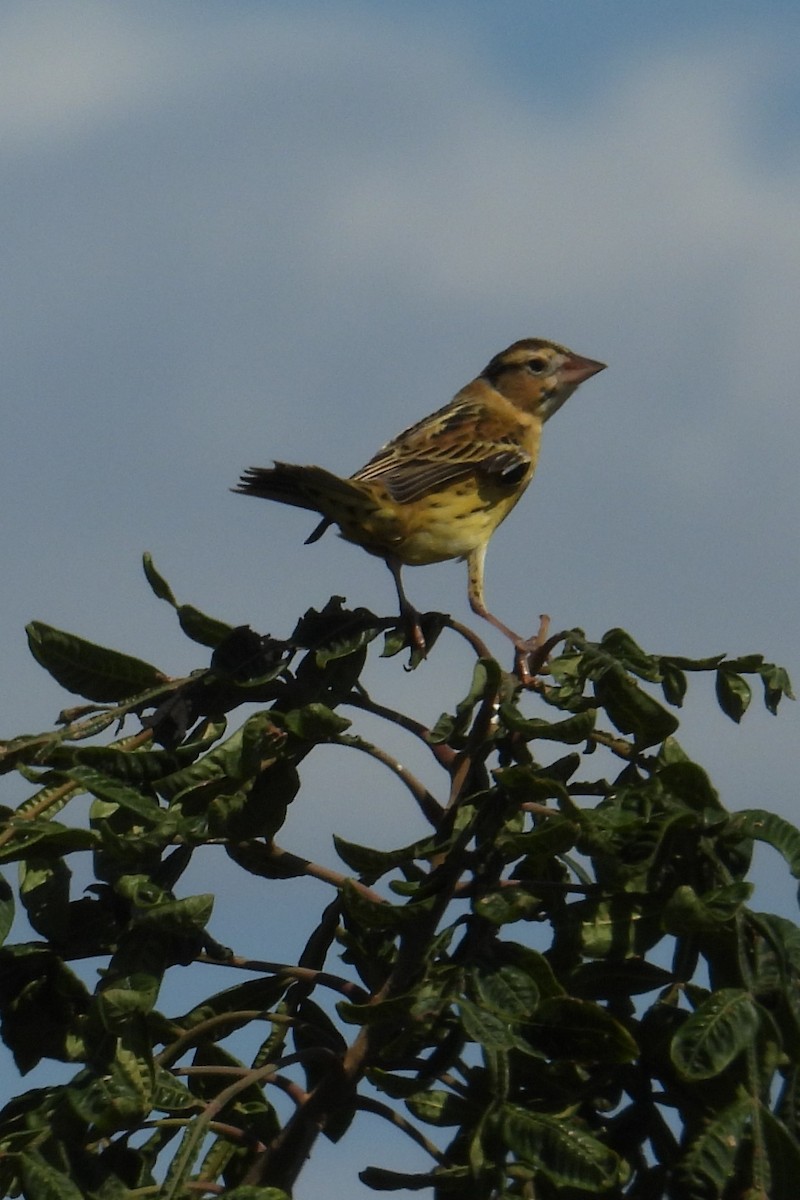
(558, 990)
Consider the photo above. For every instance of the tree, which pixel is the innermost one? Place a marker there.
(558, 990)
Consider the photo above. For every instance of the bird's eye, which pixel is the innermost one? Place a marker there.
(537, 365)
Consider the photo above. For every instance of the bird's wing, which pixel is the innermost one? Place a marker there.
(465, 438)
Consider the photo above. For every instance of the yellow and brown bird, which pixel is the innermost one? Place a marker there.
(440, 489)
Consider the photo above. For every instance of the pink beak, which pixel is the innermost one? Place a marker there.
(576, 369)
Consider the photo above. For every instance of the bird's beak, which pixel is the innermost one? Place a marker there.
(576, 369)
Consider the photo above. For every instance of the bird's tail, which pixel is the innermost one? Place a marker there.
(313, 488)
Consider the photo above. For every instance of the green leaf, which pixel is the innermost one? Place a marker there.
(6, 908)
(41, 1180)
(632, 710)
(366, 861)
(208, 631)
(570, 731)
(715, 1034)
(315, 722)
(686, 912)
(50, 839)
(784, 1156)
(533, 964)
(673, 683)
(485, 675)
(440, 1108)
(689, 783)
(487, 1029)
(157, 581)
(710, 1162)
(616, 929)
(733, 694)
(105, 787)
(198, 626)
(381, 1180)
(614, 980)
(90, 670)
(262, 993)
(776, 685)
(562, 1149)
(508, 905)
(554, 836)
(564, 1027)
(775, 831)
(250, 1192)
(507, 991)
(619, 644)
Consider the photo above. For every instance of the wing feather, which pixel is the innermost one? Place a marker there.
(465, 439)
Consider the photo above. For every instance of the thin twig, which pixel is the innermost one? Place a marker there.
(428, 804)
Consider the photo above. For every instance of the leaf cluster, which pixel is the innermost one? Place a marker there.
(558, 990)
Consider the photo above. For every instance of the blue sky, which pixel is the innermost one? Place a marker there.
(239, 231)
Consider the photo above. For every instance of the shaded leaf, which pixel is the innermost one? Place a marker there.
(90, 670)
(720, 1029)
(564, 1027)
(632, 710)
(710, 1161)
(775, 831)
(157, 581)
(315, 722)
(562, 1149)
(733, 694)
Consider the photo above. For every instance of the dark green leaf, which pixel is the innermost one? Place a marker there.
(488, 1030)
(261, 994)
(673, 683)
(49, 839)
(710, 1162)
(689, 783)
(198, 626)
(375, 863)
(632, 710)
(249, 1192)
(686, 912)
(720, 1029)
(157, 581)
(485, 676)
(619, 644)
(315, 722)
(564, 1027)
(440, 1108)
(505, 990)
(570, 731)
(775, 831)
(613, 980)
(553, 836)
(784, 1156)
(562, 1149)
(88, 669)
(105, 787)
(381, 1180)
(776, 685)
(42, 1181)
(733, 694)
(6, 908)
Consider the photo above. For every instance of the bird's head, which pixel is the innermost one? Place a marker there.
(538, 376)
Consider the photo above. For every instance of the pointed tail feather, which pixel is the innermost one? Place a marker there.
(313, 488)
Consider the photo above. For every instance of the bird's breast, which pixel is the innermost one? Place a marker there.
(451, 523)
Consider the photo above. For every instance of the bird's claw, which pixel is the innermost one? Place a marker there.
(532, 655)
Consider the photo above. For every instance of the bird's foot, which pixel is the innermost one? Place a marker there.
(532, 654)
(415, 632)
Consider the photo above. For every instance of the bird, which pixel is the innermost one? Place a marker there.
(440, 489)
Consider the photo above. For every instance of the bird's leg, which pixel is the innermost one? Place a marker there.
(408, 613)
(531, 653)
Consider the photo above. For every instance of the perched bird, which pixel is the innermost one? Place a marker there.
(440, 489)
